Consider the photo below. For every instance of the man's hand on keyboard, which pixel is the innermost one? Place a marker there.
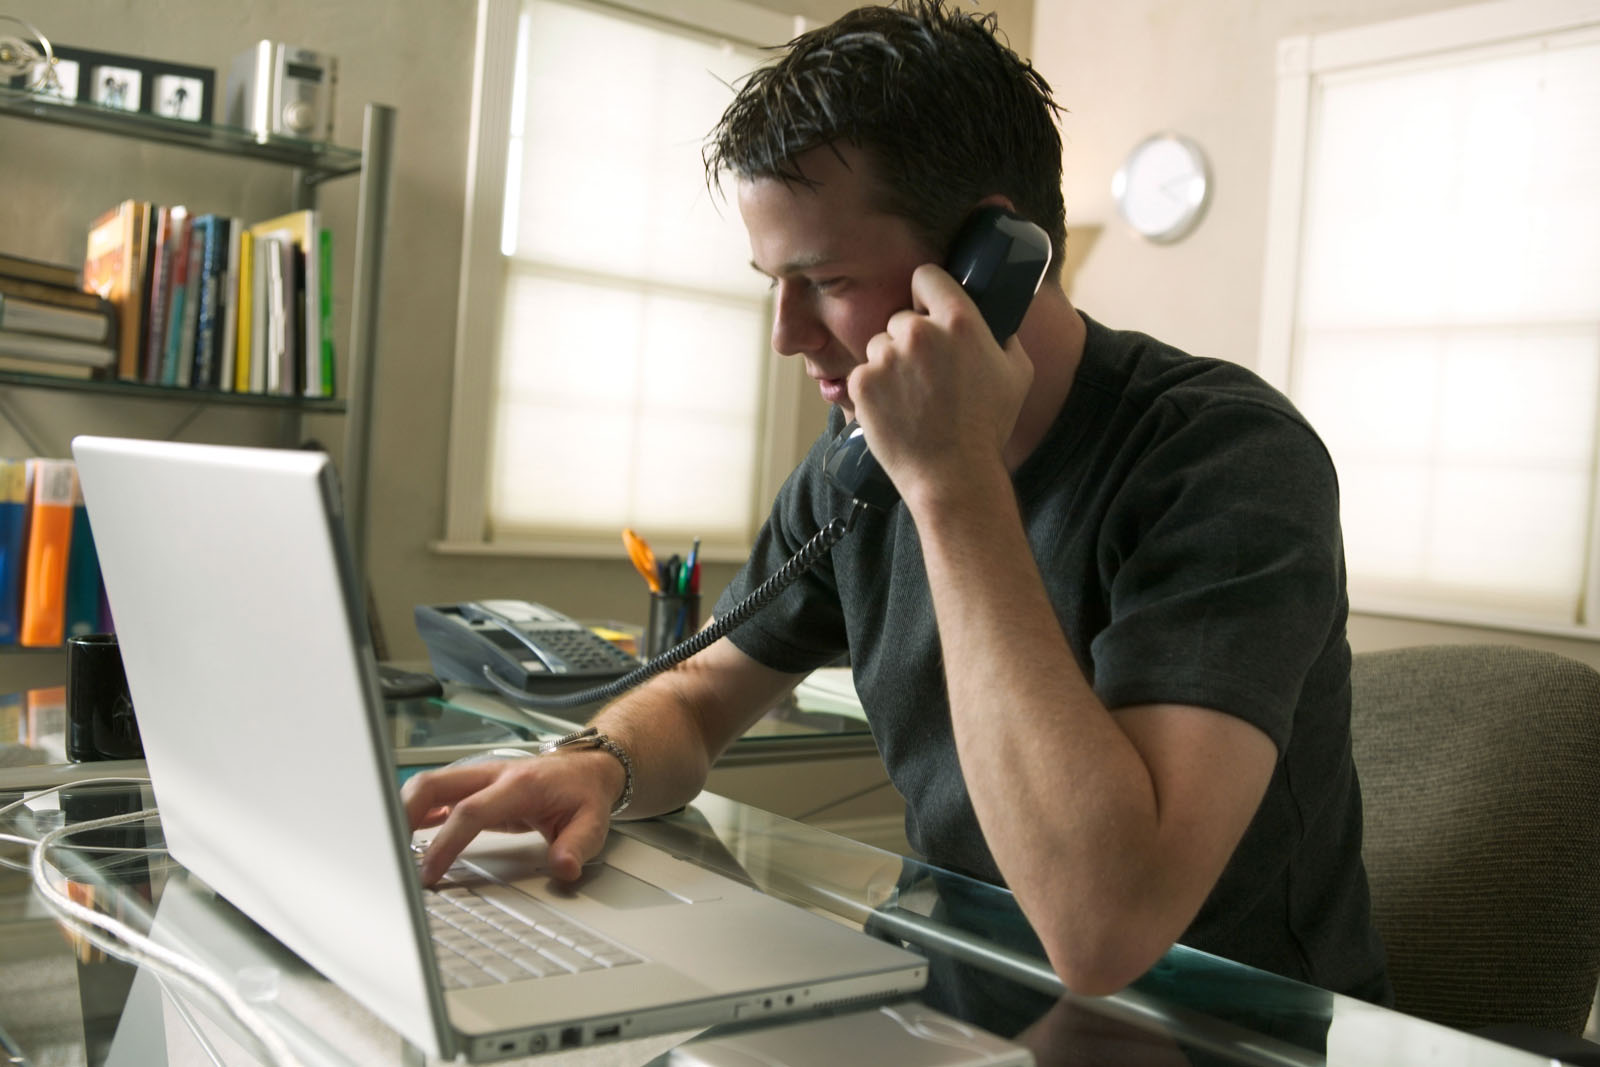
(566, 797)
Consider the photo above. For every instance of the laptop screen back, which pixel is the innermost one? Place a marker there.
(253, 681)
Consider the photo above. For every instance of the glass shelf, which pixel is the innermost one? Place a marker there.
(319, 159)
(114, 387)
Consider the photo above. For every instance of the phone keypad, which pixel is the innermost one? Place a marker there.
(584, 651)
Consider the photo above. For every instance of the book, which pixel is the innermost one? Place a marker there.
(278, 345)
(144, 284)
(44, 582)
(168, 225)
(56, 349)
(49, 367)
(107, 624)
(73, 324)
(13, 545)
(82, 606)
(112, 269)
(12, 707)
(208, 304)
(228, 342)
(188, 323)
(328, 380)
(302, 228)
(46, 723)
(302, 370)
(34, 270)
(54, 295)
(246, 326)
(177, 301)
(261, 314)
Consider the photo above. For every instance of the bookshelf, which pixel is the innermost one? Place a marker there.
(310, 164)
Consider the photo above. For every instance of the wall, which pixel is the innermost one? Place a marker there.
(416, 57)
(1129, 69)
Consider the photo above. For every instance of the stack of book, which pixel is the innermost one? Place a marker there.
(210, 302)
(50, 585)
(49, 325)
(33, 726)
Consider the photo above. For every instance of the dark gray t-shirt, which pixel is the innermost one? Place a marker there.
(1185, 519)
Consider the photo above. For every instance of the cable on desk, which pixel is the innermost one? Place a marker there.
(18, 839)
(118, 939)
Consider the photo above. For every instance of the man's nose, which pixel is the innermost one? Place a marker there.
(795, 326)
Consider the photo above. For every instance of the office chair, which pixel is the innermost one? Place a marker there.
(1480, 779)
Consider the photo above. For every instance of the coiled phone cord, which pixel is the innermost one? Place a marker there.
(803, 560)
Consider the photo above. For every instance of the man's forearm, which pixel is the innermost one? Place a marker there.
(669, 756)
(1065, 801)
(675, 726)
(1111, 828)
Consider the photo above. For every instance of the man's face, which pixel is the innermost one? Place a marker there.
(839, 267)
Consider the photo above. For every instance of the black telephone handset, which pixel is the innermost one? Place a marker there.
(999, 258)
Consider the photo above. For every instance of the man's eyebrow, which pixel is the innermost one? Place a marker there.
(796, 265)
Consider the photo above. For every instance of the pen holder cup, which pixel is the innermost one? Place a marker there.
(674, 617)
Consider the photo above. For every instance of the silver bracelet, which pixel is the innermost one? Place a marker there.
(591, 737)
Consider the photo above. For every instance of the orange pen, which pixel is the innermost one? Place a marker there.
(644, 560)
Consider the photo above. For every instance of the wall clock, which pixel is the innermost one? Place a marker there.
(1163, 187)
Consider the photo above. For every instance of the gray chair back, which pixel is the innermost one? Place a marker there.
(1480, 780)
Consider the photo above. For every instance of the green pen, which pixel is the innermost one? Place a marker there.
(689, 565)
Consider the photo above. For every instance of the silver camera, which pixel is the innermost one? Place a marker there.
(275, 89)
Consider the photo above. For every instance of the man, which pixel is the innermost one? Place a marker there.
(1101, 641)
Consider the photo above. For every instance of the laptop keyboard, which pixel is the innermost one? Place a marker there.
(478, 942)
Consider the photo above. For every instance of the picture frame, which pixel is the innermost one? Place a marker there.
(134, 84)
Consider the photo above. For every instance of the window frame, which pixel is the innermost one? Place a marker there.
(480, 291)
(1302, 61)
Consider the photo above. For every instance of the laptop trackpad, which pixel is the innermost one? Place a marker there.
(618, 889)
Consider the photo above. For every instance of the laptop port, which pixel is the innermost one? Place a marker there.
(571, 1036)
(608, 1033)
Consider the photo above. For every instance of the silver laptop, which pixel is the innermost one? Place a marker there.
(251, 670)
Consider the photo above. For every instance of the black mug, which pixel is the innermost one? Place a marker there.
(100, 719)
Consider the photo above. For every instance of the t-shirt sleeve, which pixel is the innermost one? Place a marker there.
(1224, 564)
(803, 628)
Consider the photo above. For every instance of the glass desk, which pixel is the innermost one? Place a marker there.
(63, 1001)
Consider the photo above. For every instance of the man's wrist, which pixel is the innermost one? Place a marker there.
(591, 738)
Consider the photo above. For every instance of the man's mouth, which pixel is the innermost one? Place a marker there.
(834, 390)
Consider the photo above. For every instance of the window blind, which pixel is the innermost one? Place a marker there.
(632, 352)
(1447, 320)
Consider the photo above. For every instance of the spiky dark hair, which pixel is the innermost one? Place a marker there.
(945, 112)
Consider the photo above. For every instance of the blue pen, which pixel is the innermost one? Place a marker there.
(689, 566)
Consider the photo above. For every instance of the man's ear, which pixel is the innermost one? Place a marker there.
(998, 200)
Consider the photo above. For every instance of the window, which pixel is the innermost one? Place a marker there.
(1432, 302)
(613, 366)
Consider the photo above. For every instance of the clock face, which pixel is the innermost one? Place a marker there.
(1163, 188)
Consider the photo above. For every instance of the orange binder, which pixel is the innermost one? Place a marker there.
(44, 593)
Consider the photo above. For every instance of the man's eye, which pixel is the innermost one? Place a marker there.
(823, 285)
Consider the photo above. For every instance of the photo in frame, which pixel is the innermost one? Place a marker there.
(63, 86)
(115, 86)
(128, 83)
(181, 96)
